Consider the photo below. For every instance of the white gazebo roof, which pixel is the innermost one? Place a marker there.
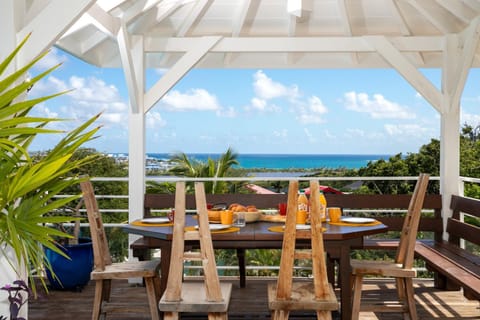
(178, 35)
(272, 33)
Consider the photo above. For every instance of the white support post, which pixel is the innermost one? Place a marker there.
(449, 128)
(136, 167)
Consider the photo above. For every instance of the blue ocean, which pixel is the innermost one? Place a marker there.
(291, 161)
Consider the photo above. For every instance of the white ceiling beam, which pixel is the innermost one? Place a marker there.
(92, 42)
(394, 57)
(346, 26)
(237, 25)
(437, 20)
(457, 9)
(164, 9)
(110, 4)
(132, 56)
(404, 27)
(470, 38)
(474, 4)
(48, 26)
(104, 21)
(192, 17)
(299, 8)
(139, 8)
(174, 74)
(287, 44)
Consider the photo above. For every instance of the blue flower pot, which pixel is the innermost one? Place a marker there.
(73, 274)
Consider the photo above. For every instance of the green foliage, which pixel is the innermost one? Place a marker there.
(426, 160)
(29, 187)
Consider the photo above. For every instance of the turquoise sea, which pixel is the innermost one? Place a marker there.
(291, 161)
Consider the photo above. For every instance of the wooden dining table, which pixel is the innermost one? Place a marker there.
(339, 240)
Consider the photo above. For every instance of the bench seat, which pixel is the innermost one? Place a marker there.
(455, 263)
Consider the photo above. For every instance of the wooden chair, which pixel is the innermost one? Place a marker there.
(209, 296)
(401, 269)
(105, 271)
(287, 295)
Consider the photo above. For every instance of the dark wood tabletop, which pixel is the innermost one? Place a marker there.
(338, 241)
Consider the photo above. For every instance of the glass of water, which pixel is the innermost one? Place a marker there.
(239, 219)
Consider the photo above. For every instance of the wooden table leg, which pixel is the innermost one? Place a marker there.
(241, 266)
(344, 283)
(165, 254)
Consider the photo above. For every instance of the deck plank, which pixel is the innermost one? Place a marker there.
(251, 302)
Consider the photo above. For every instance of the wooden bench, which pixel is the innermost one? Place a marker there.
(455, 266)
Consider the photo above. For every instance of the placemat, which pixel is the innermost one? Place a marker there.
(139, 223)
(347, 224)
(231, 229)
(282, 229)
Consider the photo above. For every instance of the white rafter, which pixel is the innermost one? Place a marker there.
(49, 25)
(237, 26)
(192, 17)
(406, 69)
(456, 8)
(183, 65)
(423, 6)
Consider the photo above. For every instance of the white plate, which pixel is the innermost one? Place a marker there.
(301, 227)
(217, 226)
(357, 220)
(156, 220)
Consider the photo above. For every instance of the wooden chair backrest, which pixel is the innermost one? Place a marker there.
(101, 253)
(317, 252)
(408, 236)
(203, 236)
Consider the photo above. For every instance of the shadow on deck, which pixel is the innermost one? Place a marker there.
(251, 302)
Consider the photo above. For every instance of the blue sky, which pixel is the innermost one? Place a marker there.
(253, 111)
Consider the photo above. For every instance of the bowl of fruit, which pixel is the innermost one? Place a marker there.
(252, 214)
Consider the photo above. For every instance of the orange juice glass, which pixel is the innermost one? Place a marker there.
(334, 213)
(302, 216)
(226, 217)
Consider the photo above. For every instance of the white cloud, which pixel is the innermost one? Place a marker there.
(228, 112)
(48, 86)
(89, 97)
(194, 99)
(328, 135)
(266, 88)
(44, 111)
(53, 58)
(280, 133)
(354, 133)
(310, 137)
(378, 107)
(258, 104)
(471, 119)
(406, 130)
(316, 105)
(154, 120)
(311, 113)
(93, 89)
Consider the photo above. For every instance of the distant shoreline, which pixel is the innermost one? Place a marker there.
(275, 162)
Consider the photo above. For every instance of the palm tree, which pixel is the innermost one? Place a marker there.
(211, 168)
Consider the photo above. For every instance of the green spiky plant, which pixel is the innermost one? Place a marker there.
(27, 187)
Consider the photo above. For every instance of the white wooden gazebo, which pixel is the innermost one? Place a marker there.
(178, 35)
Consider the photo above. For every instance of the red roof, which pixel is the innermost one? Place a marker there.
(259, 190)
(325, 189)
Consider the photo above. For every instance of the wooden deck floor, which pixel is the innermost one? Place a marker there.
(251, 303)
